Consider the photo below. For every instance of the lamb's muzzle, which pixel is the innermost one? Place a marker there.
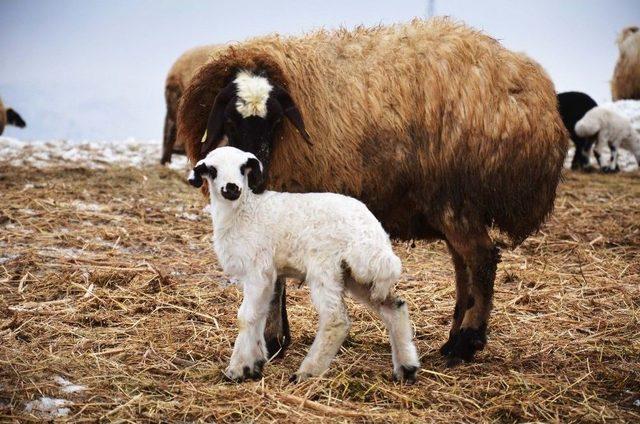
(334, 241)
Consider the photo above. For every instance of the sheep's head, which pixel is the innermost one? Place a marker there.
(625, 34)
(230, 172)
(246, 114)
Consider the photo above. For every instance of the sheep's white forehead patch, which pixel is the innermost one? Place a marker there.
(253, 93)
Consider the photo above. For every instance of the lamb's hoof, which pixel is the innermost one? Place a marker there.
(610, 170)
(463, 345)
(406, 374)
(299, 377)
(240, 374)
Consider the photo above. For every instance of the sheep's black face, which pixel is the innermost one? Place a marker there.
(248, 112)
(253, 134)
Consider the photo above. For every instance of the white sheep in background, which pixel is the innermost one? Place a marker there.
(612, 126)
(330, 241)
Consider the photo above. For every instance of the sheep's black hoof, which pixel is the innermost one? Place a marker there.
(247, 373)
(463, 345)
(610, 170)
(299, 377)
(406, 374)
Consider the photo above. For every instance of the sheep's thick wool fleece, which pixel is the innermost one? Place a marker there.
(425, 122)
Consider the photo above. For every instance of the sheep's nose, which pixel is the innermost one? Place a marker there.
(230, 191)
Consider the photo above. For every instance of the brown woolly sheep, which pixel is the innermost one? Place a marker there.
(9, 116)
(177, 81)
(436, 127)
(626, 75)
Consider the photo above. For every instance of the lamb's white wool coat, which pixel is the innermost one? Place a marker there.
(612, 131)
(332, 242)
(253, 93)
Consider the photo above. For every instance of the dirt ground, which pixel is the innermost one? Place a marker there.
(108, 280)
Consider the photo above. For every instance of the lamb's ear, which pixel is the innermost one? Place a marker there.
(256, 177)
(291, 111)
(14, 119)
(195, 176)
(215, 123)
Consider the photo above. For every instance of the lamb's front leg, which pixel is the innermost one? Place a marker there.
(327, 297)
(249, 351)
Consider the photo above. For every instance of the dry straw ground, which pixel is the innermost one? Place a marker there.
(108, 280)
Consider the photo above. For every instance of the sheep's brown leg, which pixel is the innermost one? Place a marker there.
(481, 257)
(276, 332)
(169, 139)
(172, 97)
(462, 298)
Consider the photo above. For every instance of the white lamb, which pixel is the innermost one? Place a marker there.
(611, 127)
(330, 241)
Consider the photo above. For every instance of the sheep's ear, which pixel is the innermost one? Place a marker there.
(14, 119)
(195, 176)
(291, 111)
(255, 177)
(215, 123)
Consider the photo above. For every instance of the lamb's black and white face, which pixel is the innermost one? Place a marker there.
(230, 172)
(247, 114)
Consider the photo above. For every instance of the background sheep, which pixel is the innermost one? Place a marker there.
(609, 129)
(177, 80)
(9, 116)
(573, 105)
(626, 75)
(436, 127)
(330, 241)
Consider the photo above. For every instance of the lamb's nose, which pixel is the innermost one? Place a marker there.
(230, 191)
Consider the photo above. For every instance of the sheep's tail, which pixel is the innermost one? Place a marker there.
(588, 126)
(381, 268)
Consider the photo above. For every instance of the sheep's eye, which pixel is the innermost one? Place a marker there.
(213, 172)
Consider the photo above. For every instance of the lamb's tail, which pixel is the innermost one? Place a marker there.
(588, 126)
(381, 268)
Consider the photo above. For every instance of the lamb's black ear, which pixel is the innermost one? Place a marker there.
(256, 180)
(14, 119)
(215, 123)
(291, 111)
(195, 177)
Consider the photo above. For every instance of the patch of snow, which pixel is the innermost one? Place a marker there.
(68, 387)
(626, 161)
(48, 408)
(90, 154)
(6, 257)
(189, 216)
(84, 206)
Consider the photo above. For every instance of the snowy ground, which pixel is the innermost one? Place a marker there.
(93, 154)
(131, 152)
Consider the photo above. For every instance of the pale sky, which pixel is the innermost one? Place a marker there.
(95, 69)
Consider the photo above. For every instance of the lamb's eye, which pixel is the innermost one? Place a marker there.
(213, 172)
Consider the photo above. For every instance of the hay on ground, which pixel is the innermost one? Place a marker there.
(108, 282)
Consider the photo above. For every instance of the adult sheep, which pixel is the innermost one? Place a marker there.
(436, 127)
(573, 105)
(626, 75)
(9, 116)
(177, 81)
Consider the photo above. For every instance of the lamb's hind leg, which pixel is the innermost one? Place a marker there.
(481, 257)
(327, 297)
(395, 314)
